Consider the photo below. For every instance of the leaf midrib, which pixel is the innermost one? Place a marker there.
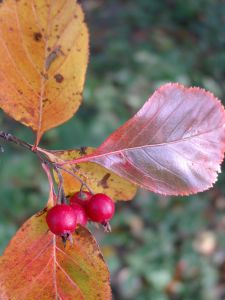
(91, 157)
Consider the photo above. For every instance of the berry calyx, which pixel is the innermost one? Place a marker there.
(61, 219)
(80, 198)
(80, 213)
(100, 208)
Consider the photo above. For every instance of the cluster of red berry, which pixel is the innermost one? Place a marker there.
(62, 219)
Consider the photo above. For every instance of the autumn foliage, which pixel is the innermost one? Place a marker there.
(173, 145)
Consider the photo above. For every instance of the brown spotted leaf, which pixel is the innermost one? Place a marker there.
(37, 266)
(99, 179)
(43, 61)
(174, 145)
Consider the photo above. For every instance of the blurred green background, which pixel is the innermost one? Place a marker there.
(161, 248)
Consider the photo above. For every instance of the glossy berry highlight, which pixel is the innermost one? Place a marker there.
(100, 208)
(61, 219)
(80, 198)
(80, 213)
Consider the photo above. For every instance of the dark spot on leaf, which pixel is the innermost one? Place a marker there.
(103, 182)
(45, 75)
(49, 49)
(45, 101)
(37, 36)
(59, 78)
(40, 213)
(83, 151)
(52, 56)
(100, 256)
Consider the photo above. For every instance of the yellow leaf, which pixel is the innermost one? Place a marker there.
(43, 59)
(99, 179)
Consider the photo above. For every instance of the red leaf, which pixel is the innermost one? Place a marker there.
(174, 145)
(36, 265)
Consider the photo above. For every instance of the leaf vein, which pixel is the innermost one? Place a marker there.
(21, 34)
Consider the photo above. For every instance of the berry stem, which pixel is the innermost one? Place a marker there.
(61, 194)
(52, 194)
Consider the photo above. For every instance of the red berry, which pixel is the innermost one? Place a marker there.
(100, 208)
(80, 198)
(80, 214)
(61, 219)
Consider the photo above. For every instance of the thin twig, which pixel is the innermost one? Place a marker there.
(11, 138)
(45, 160)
